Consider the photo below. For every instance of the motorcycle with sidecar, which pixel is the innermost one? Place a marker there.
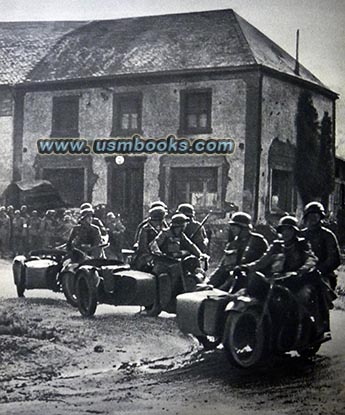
(252, 326)
(116, 283)
(51, 269)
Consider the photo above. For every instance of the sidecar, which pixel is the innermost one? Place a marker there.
(111, 282)
(201, 313)
(38, 270)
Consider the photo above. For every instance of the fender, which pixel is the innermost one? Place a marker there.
(91, 272)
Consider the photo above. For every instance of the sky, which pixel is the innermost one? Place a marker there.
(321, 24)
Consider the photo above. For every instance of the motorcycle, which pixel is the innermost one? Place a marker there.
(252, 324)
(52, 269)
(115, 283)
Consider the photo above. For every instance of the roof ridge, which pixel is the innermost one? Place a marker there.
(239, 29)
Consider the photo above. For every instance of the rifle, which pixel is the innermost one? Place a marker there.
(201, 224)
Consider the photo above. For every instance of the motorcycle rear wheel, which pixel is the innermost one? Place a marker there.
(68, 283)
(243, 339)
(86, 293)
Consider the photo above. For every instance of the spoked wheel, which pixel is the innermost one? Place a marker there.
(68, 282)
(243, 338)
(209, 342)
(86, 293)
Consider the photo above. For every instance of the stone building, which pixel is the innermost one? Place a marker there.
(196, 75)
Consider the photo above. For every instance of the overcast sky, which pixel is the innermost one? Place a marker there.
(321, 24)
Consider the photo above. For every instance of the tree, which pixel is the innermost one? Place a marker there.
(307, 167)
(326, 159)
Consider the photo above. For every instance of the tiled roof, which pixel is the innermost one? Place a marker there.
(23, 44)
(141, 45)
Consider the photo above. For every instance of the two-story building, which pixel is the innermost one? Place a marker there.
(194, 75)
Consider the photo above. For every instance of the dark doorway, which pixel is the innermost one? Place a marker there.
(125, 193)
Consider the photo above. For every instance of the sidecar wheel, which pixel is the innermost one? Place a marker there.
(243, 338)
(153, 310)
(68, 283)
(20, 289)
(86, 293)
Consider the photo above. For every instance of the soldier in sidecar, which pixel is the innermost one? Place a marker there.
(112, 282)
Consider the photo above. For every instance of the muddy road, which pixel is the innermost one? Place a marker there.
(54, 362)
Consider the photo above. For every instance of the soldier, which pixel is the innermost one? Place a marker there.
(17, 233)
(26, 217)
(48, 227)
(143, 256)
(116, 230)
(95, 220)
(292, 254)
(34, 231)
(86, 236)
(194, 230)
(245, 247)
(323, 241)
(325, 246)
(174, 243)
(5, 229)
(157, 203)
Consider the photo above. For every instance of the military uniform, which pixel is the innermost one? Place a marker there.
(168, 243)
(239, 251)
(87, 238)
(325, 246)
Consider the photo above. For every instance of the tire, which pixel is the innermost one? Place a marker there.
(20, 290)
(86, 293)
(68, 283)
(309, 352)
(243, 339)
(153, 310)
(18, 271)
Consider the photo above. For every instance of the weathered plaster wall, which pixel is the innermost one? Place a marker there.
(6, 153)
(279, 108)
(161, 116)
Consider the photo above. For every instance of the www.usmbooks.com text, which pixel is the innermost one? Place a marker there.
(136, 145)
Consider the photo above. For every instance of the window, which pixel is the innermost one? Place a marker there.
(195, 111)
(194, 185)
(127, 111)
(282, 191)
(65, 122)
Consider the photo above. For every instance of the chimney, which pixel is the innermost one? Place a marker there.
(297, 53)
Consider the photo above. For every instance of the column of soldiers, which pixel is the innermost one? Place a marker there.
(22, 231)
(310, 250)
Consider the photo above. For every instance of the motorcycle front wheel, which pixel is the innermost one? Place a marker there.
(86, 293)
(68, 283)
(243, 339)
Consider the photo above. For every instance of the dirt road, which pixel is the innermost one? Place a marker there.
(55, 362)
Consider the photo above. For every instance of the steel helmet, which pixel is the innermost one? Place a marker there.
(179, 219)
(187, 209)
(288, 221)
(241, 219)
(314, 207)
(86, 206)
(158, 203)
(157, 213)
